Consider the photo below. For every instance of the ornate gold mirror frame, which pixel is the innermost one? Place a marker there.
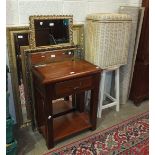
(14, 35)
(26, 117)
(78, 35)
(42, 25)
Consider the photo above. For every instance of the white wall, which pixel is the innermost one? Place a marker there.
(18, 11)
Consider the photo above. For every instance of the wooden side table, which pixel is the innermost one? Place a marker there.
(58, 80)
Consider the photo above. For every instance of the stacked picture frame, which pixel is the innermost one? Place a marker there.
(22, 45)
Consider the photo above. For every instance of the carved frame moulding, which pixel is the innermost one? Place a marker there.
(13, 34)
(37, 23)
(78, 35)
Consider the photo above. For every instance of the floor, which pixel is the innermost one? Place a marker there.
(32, 143)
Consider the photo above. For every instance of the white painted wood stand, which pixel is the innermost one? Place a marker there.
(103, 95)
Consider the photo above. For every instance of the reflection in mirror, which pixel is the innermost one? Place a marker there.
(26, 110)
(50, 30)
(78, 37)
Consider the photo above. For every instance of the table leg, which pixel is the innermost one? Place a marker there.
(74, 100)
(49, 119)
(94, 103)
(66, 98)
(39, 109)
(80, 97)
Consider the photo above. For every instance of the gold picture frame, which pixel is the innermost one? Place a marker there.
(78, 35)
(12, 55)
(78, 39)
(36, 18)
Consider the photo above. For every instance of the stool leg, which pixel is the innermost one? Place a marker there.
(101, 93)
(117, 88)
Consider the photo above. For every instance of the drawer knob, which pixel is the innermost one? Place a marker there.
(49, 117)
(72, 72)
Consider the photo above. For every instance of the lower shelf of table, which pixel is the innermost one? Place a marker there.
(69, 124)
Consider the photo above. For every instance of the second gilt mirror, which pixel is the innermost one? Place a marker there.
(17, 39)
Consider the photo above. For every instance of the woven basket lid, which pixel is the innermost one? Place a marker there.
(109, 17)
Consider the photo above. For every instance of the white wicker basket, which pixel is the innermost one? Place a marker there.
(107, 39)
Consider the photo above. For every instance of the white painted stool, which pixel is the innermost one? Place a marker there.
(103, 94)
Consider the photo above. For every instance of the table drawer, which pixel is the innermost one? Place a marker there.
(72, 86)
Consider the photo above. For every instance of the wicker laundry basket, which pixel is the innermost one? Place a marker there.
(107, 39)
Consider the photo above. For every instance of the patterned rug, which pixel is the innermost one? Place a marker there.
(130, 137)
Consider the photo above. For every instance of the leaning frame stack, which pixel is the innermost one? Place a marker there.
(107, 40)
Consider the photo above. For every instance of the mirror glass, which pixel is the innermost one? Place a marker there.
(51, 32)
(17, 38)
(21, 40)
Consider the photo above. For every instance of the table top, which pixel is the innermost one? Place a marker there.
(65, 70)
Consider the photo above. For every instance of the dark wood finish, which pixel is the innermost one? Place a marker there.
(41, 56)
(66, 98)
(64, 112)
(93, 105)
(61, 105)
(61, 79)
(143, 48)
(50, 56)
(62, 71)
(68, 125)
(71, 123)
(39, 109)
(140, 82)
(140, 86)
(71, 86)
(80, 100)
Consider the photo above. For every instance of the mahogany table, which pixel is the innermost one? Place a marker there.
(58, 80)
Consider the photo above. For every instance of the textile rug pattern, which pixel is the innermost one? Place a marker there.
(130, 137)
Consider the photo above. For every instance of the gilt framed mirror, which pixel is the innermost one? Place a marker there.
(18, 74)
(51, 30)
(18, 37)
